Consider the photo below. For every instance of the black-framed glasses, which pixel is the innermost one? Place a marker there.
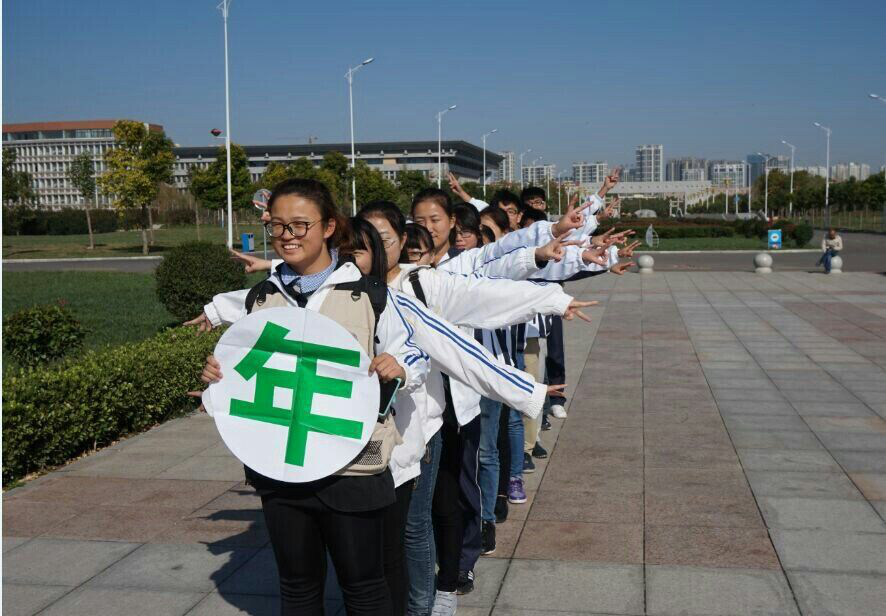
(416, 254)
(297, 229)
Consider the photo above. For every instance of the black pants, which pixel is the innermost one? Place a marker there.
(302, 530)
(555, 362)
(396, 573)
(451, 505)
(504, 451)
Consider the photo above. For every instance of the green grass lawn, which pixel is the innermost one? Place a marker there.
(116, 244)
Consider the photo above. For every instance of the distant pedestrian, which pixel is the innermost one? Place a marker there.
(831, 245)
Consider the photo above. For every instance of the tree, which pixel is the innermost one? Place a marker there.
(371, 184)
(303, 168)
(136, 165)
(336, 162)
(210, 186)
(409, 184)
(81, 174)
(17, 185)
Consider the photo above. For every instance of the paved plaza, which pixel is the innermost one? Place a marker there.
(725, 453)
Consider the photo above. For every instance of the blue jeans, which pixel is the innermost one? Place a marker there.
(829, 254)
(421, 555)
(489, 467)
(515, 436)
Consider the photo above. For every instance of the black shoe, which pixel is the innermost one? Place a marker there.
(528, 464)
(545, 424)
(539, 452)
(501, 508)
(488, 538)
(465, 582)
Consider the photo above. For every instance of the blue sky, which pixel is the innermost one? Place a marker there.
(571, 80)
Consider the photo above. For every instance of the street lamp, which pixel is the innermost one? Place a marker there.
(521, 166)
(766, 158)
(440, 115)
(827, 181)
(223, 6)
(559, 191)
(350, 77)
(793, 148)
(494, 130)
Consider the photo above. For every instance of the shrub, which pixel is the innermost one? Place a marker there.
(192, 273)
(23, 220)
(803, 234)
(40, 334)
(51, 415)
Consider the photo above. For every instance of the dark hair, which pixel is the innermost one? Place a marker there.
(467, 219)
(488, 235)
(531, 192)
(498, 216)
(417, 238)
(504, 197)
(531, 215)
(365, 237)
(436, 196)
(386, 210)
(319, 194)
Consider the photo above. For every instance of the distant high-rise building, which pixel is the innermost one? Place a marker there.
(589, 173)
(756, 164)
(679, 169)
(731, 174)
(538, 174)
(813, 170)
(841, 172)
(650, 163)
(506, 170)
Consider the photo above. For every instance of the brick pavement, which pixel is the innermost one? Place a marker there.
(725, 453)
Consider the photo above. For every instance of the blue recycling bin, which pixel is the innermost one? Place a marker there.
(247, 241)
(775, 239)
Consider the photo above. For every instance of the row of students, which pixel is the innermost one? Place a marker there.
(296, 209)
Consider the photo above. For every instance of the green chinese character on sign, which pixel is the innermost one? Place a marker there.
(304, 383)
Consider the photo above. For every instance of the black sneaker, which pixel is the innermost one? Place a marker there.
(539, 452)
(465, 582)
(545, 424)
(528, 464)
(488, 538)
(501, 508)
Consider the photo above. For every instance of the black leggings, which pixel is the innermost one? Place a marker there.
(301, 531)
(396, 573)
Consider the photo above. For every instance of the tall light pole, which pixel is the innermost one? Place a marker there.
(882, 100)
(350, 77)
(559, 191)
(766, 159)
(793, 149)
(440, 115)
(521, 166)
(223, 6)
(494, 130)
(827, 180)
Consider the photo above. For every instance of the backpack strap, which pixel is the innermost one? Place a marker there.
(373, 287)
(259, 293)
(415, 281)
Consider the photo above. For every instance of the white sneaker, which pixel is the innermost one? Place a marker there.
(444, 604)
(558, 411)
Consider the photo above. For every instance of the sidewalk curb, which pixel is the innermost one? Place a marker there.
(83, 259)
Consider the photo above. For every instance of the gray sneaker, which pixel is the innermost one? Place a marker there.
(444, 604)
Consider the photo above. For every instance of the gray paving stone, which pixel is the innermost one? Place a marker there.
(257, 577)
(824, 550)
(61, 561)
(216, 604)
(828, 514)
(687, 591)
(125, 465)
(488, 576)
(174, 567)
(28, 599)
(86, 601)
(799, 460)
(550, 585)
(775, 439)
(861, 461)
(728, 407)
(765, 422)
(10, 543)
(799, 484)
(206, 468)
(838, 594)
(747, 395)
(854, 441)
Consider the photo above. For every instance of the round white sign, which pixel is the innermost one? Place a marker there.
(295, 402)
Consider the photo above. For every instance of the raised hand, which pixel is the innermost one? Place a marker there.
(202, 323)
(251, 264)
(620, 268)
(557, 391)
(387, 368)
(628, 251)
(574, 310)
(457, 189)
(609, 182)
(211, 371)
(595, 255)
(604, 239)
(572, 219)
(555, 249)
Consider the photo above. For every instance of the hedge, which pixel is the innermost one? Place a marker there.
(54, 414)
(671, 231)
(23, 220)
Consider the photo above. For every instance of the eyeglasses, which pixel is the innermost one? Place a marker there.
(464, 232)
(297, 229)
(388, 242)
(415, 254)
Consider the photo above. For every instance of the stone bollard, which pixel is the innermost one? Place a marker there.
(836, 265)
(645, 262)
(763, 263)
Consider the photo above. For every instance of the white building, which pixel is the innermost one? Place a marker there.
(730, 174)
(820, 171)
(46, 150)
(507, 168)
(686, 169)
(650, 163)
(537, 175)
(587, 173)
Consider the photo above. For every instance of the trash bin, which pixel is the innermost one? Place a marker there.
(247, 241)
